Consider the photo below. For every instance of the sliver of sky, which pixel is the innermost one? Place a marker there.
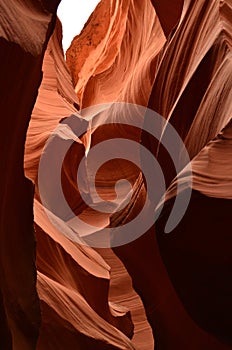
(73, 15)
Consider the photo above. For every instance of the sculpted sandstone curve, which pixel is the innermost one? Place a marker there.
(165, 291)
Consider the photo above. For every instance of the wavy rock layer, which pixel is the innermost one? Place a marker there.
(109, 73)
(173, 290)
(192, 89)
(70, 276)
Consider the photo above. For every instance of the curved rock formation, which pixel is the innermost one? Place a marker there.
(192, 89)
(21, 58)
(74, 275)
(171, 291)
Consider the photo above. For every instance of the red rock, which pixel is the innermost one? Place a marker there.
(172, 290)
(21, 57)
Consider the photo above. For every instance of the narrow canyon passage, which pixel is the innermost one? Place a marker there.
(116, 175)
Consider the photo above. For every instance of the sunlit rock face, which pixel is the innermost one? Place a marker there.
(168, 291)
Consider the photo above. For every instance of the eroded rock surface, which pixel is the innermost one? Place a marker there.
(171, 291)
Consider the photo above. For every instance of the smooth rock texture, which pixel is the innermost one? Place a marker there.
(21, 57)
(164, 291)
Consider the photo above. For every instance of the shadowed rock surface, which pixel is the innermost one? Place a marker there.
(163, 291)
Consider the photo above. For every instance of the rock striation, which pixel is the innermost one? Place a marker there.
(163, 291)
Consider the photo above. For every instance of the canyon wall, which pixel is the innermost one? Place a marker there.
(168, 291)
